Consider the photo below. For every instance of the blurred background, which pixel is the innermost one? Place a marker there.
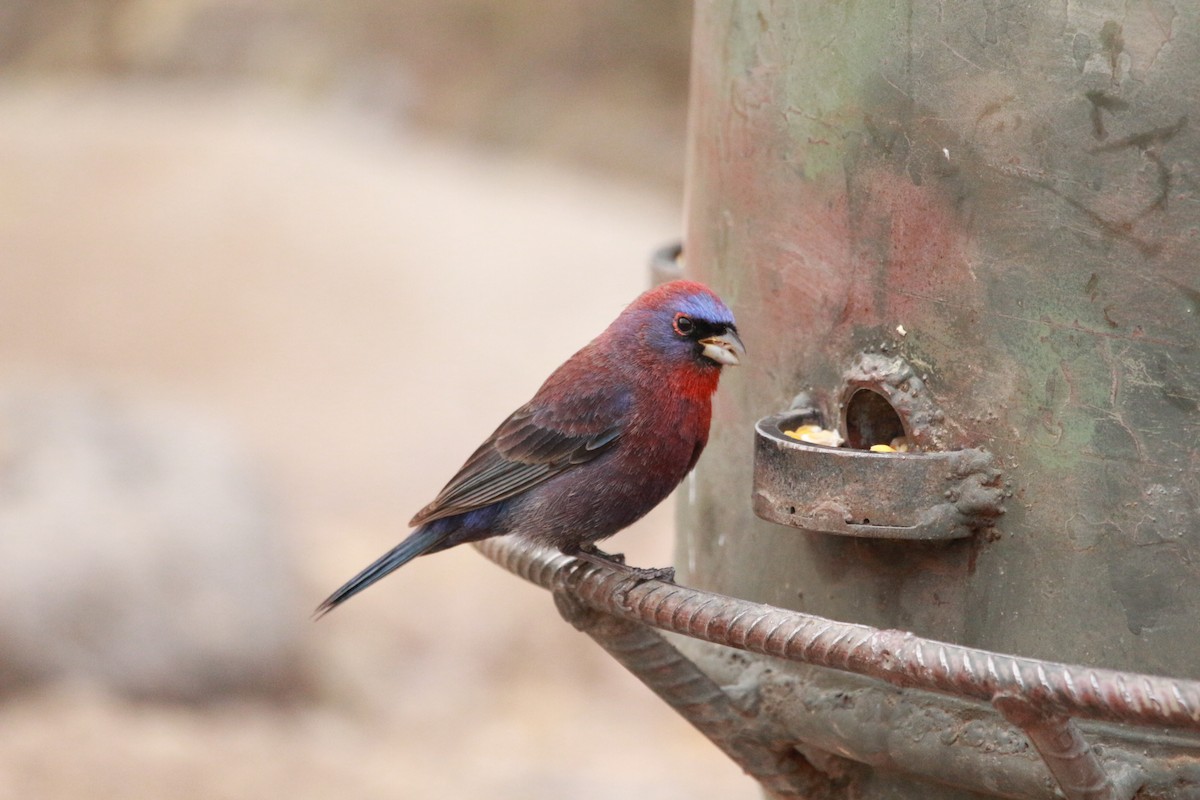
(269, 271)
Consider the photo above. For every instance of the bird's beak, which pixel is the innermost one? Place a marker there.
(726, 349)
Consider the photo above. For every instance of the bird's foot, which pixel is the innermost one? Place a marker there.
(642, 574)
(616, 561)
(598, 556)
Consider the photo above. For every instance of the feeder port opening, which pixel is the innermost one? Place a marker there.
(871, 420)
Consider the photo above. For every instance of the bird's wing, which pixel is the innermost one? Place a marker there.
(533, 445)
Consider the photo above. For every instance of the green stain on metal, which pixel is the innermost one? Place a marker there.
(823, 54)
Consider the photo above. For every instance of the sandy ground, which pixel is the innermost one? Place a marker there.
(362, 310)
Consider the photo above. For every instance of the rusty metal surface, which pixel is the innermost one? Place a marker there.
(841, 490)
(753, 744)
(1067, 755)
(956, 744)
(1006, 195)
(897, 657)
(938, 739)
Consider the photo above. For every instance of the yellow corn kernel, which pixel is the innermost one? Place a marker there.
(815, 434)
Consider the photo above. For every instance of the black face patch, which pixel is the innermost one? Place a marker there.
(704, 329)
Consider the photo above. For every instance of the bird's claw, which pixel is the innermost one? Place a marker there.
(635, 576)
(598, 555)
(642, 574)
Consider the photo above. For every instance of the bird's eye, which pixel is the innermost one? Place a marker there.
(683, 324)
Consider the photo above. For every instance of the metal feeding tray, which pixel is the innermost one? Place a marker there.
(928, 494)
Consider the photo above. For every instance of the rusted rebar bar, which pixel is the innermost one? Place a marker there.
(897, 657)
(774, 763)
(1065, 752)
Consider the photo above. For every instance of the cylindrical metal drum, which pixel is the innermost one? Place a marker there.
(956, 227)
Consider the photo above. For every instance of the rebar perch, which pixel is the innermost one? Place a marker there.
(1041, 698)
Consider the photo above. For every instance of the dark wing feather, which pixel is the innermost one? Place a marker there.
(531, 446)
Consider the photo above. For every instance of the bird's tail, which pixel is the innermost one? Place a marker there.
(419, 542)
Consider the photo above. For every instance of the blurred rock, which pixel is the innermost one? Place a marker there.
(138, 550)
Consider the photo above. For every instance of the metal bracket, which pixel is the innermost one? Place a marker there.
(771, 760)
(839, 490)
(1044, 699)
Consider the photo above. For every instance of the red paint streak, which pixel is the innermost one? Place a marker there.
(908, 243)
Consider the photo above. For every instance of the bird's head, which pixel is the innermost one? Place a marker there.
(687, 324)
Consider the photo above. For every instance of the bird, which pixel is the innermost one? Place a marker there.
(605, 439)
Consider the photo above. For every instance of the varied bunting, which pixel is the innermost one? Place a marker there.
(608, 436)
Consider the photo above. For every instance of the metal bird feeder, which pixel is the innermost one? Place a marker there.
(973, 228)
(928, 494)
